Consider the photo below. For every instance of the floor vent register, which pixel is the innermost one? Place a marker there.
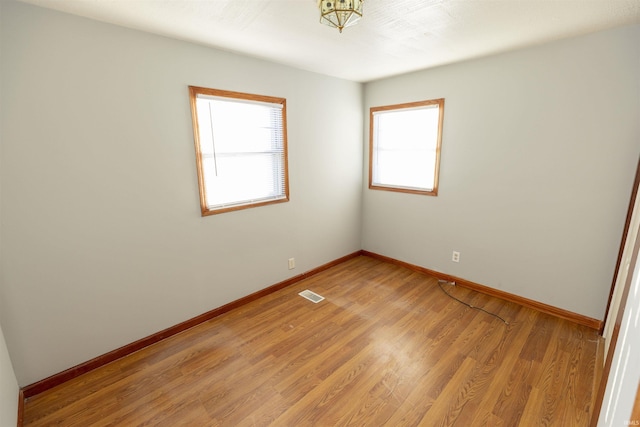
(311, 296)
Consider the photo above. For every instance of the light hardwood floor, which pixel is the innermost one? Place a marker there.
(386, 347)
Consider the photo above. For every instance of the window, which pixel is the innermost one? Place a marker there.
(241, 149)
(404, 147)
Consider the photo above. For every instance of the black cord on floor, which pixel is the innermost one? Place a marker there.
(440, 282)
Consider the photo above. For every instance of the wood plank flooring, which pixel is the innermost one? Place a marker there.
(386, 347)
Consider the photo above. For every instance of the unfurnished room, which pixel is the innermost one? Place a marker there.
(319, 213)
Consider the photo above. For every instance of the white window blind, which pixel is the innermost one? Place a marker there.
(242, 148)
(405, 146)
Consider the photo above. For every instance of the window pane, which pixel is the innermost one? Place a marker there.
(408, 130)
(406, 168)
(241, 127)
(242, 179)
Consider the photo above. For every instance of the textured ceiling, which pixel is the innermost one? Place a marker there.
(393, 37)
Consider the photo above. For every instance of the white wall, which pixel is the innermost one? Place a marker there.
(102, 235)
(538, 158)
(8, 383)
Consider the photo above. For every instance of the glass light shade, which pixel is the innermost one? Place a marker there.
(340, 13)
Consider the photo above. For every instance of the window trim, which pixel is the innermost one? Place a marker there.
(194, 91)
(409, 105)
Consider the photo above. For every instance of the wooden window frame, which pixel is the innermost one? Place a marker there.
(411, 105)
(194, 91)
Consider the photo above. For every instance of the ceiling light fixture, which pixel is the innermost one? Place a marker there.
(340, 13)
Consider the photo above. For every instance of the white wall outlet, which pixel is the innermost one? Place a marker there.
(292, 263)
(456, 256)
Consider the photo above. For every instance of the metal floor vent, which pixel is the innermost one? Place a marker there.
(311, 296)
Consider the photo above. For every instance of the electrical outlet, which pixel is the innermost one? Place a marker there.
(456, 256)
(292, 263)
